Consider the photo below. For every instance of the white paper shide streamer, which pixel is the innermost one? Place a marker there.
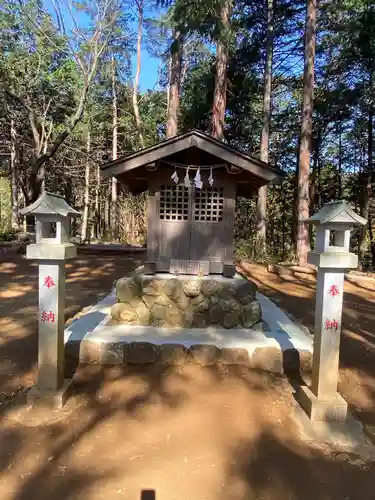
(211, 178)
(198, 180)
(187, 179)
(174, 177)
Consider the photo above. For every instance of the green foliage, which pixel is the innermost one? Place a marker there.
(9, 235)
(38, 65)
(5, 205)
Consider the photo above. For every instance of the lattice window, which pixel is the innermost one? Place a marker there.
(209, 203)
(174, 202)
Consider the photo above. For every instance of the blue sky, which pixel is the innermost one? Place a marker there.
(149, 70)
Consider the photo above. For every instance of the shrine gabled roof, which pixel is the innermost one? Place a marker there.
(338, 211)
(191, 139)
(49, 204)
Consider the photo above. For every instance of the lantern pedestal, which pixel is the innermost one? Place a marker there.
(334, 221)
(321, 401)
(52, 249)
(51, 388)
(335, 408)
(51, 325)
(54, 399)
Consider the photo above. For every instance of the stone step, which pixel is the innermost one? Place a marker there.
(112, 248)
(271, 359)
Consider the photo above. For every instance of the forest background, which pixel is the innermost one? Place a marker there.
(289, 81)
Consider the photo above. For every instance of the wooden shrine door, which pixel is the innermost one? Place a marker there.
(209, 236)
(191, 225)
(174, 222)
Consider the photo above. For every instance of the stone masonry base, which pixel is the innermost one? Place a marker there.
(179, 301)
(270, 359)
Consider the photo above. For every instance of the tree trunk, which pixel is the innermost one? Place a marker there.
(85, 215)
(369, 181)
(283, 222)
(114, 151)
(14, 174)
(169, 81)
(306, 133)
(96, 226)
(294, 182)
(220, 92)
(314, 179)
(314, 188)
(318, 202)
(339, 166)
(37, 170)
(366, 185)
(106, 214)
(137, 116)
(174, 85)
(184, 69)
(264, 143)
(361, 204)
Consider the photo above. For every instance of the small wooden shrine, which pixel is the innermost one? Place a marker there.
(192, 181)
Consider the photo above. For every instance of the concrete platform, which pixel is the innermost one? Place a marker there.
(346, 436)
(267, 344)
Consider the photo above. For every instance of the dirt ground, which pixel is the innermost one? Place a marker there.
(183, 434)
(177, 433)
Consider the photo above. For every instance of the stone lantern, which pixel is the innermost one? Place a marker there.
(52, 249)
(332, 257)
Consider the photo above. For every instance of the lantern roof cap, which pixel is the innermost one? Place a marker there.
(50, 204)
(336, 212)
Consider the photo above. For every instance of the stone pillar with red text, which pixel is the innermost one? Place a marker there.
(328, 314)
(51, 325)
(332, 257)
(51, 249)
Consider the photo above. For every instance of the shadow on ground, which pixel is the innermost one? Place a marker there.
(182, 433)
